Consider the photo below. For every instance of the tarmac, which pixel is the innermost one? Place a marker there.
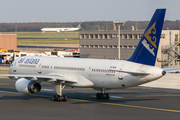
(155, 100)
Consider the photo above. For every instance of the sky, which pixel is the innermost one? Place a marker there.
(12, 11)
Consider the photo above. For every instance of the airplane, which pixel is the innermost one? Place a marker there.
(99, 74)
(60, 29)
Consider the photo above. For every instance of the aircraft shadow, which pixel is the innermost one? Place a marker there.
(90, 97)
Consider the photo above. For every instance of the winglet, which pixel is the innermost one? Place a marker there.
(147, 48)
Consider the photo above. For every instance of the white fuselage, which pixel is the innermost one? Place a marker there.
(95, 73)
(58, 29)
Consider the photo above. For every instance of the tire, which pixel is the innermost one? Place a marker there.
(107, 96)
(56, 98)
(60, 98)
(65, 98)
(98, 95)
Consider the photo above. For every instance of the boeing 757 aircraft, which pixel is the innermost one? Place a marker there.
(61, 29)
(99, 74)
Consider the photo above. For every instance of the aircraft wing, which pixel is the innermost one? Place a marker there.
(171, 69)
(132, 73)
(47, 78)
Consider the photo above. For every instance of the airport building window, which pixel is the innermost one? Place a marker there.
(86, 36)
(81, 46)
(114, 35)
(82, 36)
(105, 36)
(110, 46)
(100, 36)
(140, 35)
(91, 46)
(86, 46)
(104, 46)
(135, 36)
(100, 46)
(114, 46)
(91, 36)
(110, 36)
(130, 47)
(129, 36)
(176, 37)
(163, 36)
(95, 46)
(124, 36)
(23, 55)
(95, 36)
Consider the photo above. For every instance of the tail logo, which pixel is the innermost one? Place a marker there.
(150, 36)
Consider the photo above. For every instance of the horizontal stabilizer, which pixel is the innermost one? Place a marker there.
(132, 73)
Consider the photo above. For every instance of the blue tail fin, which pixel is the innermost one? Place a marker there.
(147, 48)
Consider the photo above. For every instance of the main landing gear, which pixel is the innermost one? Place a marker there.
(59, 86)
(102, 95)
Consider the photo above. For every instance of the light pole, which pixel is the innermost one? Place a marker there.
(119, 23)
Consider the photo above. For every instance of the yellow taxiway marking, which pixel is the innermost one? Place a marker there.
(131, 106)
(10, 92)
(107, 103)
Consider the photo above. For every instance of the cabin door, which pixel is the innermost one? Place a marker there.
(120, 74)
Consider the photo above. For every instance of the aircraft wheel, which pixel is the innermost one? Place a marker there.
(56, 98)
(107, 96)
(65, 98)
(98, 95)
(60, 98)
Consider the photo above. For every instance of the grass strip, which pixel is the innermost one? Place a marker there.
(46, 41)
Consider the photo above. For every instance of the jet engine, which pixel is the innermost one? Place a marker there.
(27, 87)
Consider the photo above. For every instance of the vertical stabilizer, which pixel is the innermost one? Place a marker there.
(147, 48)
(79, 26)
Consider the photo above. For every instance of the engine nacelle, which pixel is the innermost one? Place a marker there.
(27, 87)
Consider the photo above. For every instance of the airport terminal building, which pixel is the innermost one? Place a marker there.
(104, 45)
